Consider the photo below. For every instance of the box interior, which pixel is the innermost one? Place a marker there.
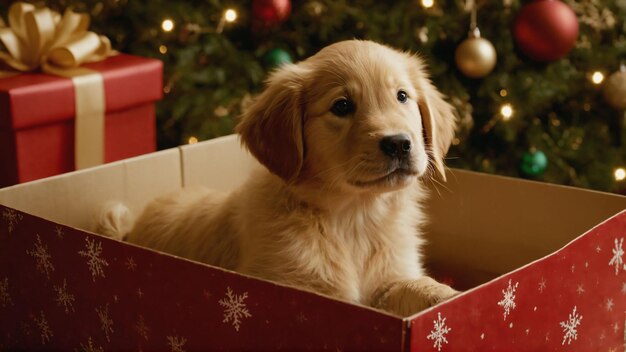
(481, 226)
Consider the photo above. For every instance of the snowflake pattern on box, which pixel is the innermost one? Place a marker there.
(94, 261)
(234, 308)
(439, 332)
(59, 232)
(44, 329)
(570, 327)
(508, 302)
(12, 218)
(176, 343)
(5, 296)
(609, 304)
(90, 347)
(542, 285)
(618, 253)
(64, 298)
(106, 323)
(142, 329)
(130, 264)
(42, 257)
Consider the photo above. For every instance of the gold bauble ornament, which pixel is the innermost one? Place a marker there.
(475, 56)
(615, 89)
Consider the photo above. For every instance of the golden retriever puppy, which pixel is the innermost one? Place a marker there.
(347, 138)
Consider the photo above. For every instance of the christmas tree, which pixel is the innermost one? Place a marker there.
(552, 107)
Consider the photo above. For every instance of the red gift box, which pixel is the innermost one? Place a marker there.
(544, 269)
(37, 114)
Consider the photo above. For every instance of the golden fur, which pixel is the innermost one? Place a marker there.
(328, 213)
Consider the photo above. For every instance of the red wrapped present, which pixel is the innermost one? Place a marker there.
(543, 266)
(74, 105)
(37, 113)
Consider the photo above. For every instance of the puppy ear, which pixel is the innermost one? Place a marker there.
(438, 119)
(271, 127)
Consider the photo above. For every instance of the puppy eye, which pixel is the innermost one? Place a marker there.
(342, 107)
(402, 96)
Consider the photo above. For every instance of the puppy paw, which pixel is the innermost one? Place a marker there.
(433, 291)
(409, 297)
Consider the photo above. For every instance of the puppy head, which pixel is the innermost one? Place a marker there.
(356, 116)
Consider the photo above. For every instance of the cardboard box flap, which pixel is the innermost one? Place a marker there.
(489, 225)
(220, 163)
(75, 198)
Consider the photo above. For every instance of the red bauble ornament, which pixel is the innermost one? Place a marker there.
(546, 30)
(271, 12)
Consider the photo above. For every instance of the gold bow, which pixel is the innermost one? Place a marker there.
(40, 38)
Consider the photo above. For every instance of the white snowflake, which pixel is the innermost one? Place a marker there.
(234, 308)
(609, 304)
(64, 298)
(439, 332)
(508, 302)
(176, 343)
(95, 263)
(43, 259)
(569, 327)
(90, 347)
(106, 323)
(44, 328)
(618, 252)
(5, 297)
(12, 218)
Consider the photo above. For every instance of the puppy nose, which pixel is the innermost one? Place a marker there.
(398, 145)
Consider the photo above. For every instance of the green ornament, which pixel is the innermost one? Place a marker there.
(277, 57)
(534, 163)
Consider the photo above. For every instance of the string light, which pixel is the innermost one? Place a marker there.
(506, 111)
(597, 77)
(167, 25)
(162, 49)
(230, 15)
(428, 3)
(503, 93)
(193, 140)
(620, 174)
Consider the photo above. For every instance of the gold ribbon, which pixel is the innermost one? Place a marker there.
(39, 38)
